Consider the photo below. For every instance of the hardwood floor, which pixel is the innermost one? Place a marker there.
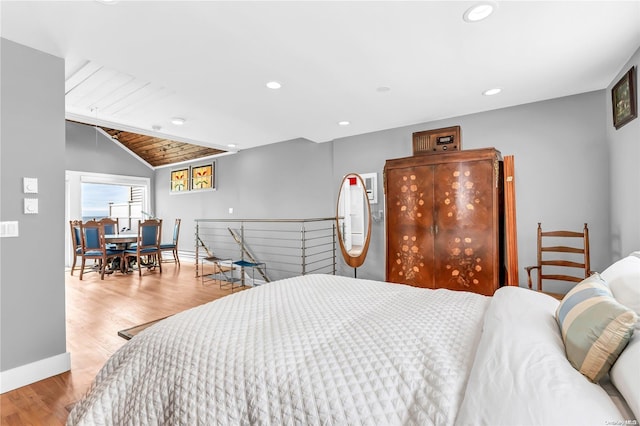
(96, 310)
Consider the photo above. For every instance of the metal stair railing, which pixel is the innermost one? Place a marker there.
(288, 247)
(239, 239)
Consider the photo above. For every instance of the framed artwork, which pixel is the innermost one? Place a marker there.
(371, 186)
(180, 180)
(203, 177)
(623, 99)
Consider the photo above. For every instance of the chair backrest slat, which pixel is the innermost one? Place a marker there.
(563, 249)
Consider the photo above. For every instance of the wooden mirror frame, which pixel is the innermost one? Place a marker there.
(354, 261)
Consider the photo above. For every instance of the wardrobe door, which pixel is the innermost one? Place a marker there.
(465, 242)
(410, 225)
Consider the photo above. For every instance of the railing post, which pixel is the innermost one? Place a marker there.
(197, 247)
(303, 241)
(242, 252)
(241, 240)
(334, 248)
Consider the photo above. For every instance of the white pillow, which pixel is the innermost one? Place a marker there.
(623, 278)
(625, 374)
(520, 354)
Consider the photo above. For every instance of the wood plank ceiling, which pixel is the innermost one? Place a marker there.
(159, 151)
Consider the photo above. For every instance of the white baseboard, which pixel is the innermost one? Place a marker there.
(190, 256)
(33, 372)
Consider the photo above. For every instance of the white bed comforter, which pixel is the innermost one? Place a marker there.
(312, 350)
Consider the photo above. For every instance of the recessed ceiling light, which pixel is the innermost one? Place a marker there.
(231, 145)
(274, 85)
(491, 92)
(178, 121)
(480, 11)
(343, 123)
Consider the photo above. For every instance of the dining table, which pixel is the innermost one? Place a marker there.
(122, 242)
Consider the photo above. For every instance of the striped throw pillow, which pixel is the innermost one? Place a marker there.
(595, 327)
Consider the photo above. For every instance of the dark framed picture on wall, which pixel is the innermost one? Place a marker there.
(203, 177)
(624, 100)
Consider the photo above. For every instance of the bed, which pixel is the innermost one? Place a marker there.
(323, 349)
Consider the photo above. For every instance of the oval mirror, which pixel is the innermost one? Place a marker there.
(353, 219)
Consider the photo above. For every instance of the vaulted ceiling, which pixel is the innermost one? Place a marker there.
(160, 151)
(156, 151)
(135, 65)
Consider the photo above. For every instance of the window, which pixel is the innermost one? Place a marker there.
(95, 195)
(97, 199)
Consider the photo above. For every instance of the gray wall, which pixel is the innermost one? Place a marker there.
(624, 166)
(562, 177)
(88, 151)
(288, 180)
(560, 161)
(32, 295)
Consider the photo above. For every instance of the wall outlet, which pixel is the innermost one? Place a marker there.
(230, 210)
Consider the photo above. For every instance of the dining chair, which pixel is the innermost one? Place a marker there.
(76, 241)
(173, 246)
(148, 244)
(110, 226)
(94, 247)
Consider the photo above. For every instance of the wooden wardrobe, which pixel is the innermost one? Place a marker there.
(444, 220)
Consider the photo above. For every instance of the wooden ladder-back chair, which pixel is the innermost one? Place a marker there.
(561, 249)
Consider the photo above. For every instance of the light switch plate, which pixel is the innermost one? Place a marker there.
(30, 206)
(30, 185)
(9, 229)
